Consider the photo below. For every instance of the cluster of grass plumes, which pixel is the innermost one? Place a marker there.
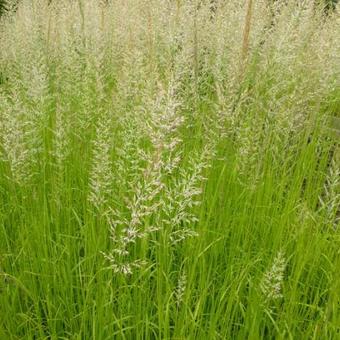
(167, 171)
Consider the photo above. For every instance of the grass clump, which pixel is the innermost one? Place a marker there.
(167, 170)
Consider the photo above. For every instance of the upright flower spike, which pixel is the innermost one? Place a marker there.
(271, 285)
(158, 123)
(180, 289)
(330, 200)
(20, 140)
(101, 173)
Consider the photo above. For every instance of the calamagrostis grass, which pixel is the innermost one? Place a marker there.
(165, 193)
(136, 111)
(101, 172)
(271, 285)
(146, 204)
(330, 200)
(20, 139)
(181, 288)
(184, 196)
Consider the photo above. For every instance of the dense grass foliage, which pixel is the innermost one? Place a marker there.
(167, 171)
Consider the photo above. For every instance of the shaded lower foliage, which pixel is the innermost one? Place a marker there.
(3, 7)
(330, 5)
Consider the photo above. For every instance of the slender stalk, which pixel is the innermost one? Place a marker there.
(246, 32)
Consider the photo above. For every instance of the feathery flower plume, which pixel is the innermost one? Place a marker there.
(330, 201)
(17, 139)
(183, 196)
(101, 173)
(271, 285)
(160, 126)
(180, 289)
